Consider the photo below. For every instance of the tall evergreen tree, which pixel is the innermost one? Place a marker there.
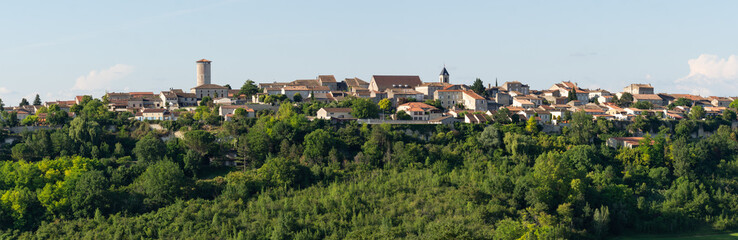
(37, 100)
(478, 86)
(23, 102)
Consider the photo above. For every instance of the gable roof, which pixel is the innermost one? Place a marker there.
(326, 78)
(418, 106)
(387, 81)
(354, 82)
(337, 109)
(647, 97)
(304, 82)
(210, 86)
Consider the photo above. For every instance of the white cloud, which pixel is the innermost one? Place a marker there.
(710, 74)
(99, 80)
(4, 90)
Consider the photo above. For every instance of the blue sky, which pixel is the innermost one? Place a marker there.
(66, 48)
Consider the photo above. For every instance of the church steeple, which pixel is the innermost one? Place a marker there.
(444, 76)
(496, 82)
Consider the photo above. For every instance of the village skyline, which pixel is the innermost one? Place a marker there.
(62, 50)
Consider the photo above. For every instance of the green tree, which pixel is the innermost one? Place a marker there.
(206, 101)
(56, 116)
(436, 103)
(682, 102)
(297, 97)
(697, 112)
(317, 145)
(642, 105)
(491, 137)
(149, 149)
(82, 130)
(89, 193)
(729, 115)
(364, 108)
(478, 86)
(625, 99)
(202, 142)
(37, 101)
(601, 221)
(249, 88)
(581, 129)
(385, 105)
(402, 115)
(253, 146)
(23, 102)
(502, 116)
(572, 95)
(531, 125)
(23, 206)
(192, 162)
(281, 172)
(734, 104)
(2, 105)
(161, 183)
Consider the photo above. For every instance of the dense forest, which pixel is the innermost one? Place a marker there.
(101, 175)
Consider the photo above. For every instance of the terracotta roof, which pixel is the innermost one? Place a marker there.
(632, 140)
(402, 91)
(389, 81)
(687, 96)
(327, 78)
(294, 88)
(210, 86)
(203, 60)
(245, 107)
(434, 84)
(647, 97)
(470, 93)
(417, 107)
(186, 95)
(154, 110)
(140, 93)
(304, 82)
(337, 109)
(354, 82)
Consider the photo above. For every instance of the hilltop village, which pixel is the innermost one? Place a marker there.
(386, 157)
(399, 99)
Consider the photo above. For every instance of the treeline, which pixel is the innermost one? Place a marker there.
(103, 176)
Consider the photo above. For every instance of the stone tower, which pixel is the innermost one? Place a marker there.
(203, 72)
(444, 75)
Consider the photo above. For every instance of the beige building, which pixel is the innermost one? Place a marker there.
(516, 86)
(420, 111)
(155, 114)
(381, 82)
(652, 98)
(429, 89)
(231, 109)
(328, 81)
(450, 98)
(626, 142)
(639, 89)
(209, 90)
(329, 113)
